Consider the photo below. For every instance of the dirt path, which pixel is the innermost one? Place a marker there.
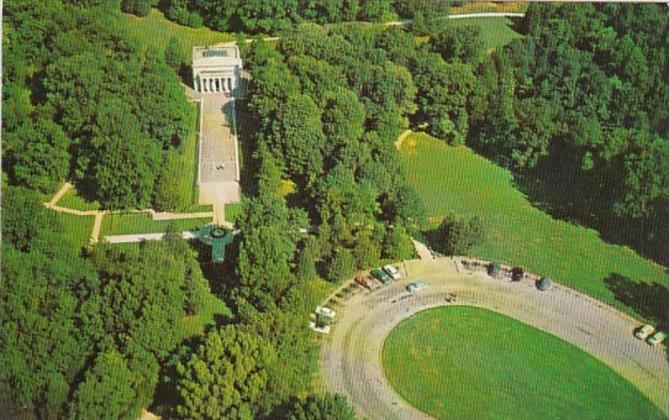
(61, 192)
(99, 215)
(351, 354)
(401, 138)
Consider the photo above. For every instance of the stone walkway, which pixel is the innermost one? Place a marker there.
(351, 354)
(218, 156)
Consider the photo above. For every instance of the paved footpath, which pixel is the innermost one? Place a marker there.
(351, 354)
(219, 173)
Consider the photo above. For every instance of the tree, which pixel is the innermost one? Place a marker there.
(397, 244)
(318, 78)
(171, 192)
(457, 235)
(175, 54)
(137, 7)
(42, 347)
(297, 138)
(327, 407)
(225, 375)
(125, 172)
(376, 11)
(443, 96)
(341, 266)
(461, 43)
(399, 44)
(306, 263)
(343, 118)
(39, 155)
(366, 251)
(26, 224)
(269, 240)
(106, 391)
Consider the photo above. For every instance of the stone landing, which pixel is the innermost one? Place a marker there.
(218, 155)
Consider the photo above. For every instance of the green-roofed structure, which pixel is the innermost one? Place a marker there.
(217, 238)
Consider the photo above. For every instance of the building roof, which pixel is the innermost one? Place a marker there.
(216, 56)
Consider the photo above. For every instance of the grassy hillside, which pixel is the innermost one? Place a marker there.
(489, 6)
(155, 30)
(457, 179)
(495, 31)
(122, 224)
(76, 228)
(513, 372)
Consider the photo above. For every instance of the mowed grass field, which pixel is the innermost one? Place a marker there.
(129, 223)
(73, 200)
(156, 30)
(488, 6)
(77, 229)
(455, 179)
(495, 31)
(470, 363)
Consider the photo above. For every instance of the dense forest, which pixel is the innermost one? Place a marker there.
(578, 108)
(273, 16)
(80, 101)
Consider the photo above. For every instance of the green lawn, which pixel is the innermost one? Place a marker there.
(495, 31)
(457, 179)
(512, 371)
(155, 30)
(122, 224)
(233, 211)
(76, 228)
(73, 200)
(488, 6)
(188, 176)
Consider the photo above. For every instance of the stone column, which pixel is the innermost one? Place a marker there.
(221, 88)
(229, 81)
(205, 85)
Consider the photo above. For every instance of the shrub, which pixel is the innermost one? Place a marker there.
(341, 266)
(457, 235)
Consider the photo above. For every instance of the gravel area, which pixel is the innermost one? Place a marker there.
(351, 354)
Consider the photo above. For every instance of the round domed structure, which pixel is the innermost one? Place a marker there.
(544, 283)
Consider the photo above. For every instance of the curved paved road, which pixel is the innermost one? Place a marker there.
(351, 354)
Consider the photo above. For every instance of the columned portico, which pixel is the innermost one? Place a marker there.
(217, 69)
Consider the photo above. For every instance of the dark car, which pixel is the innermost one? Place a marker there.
(381, 276)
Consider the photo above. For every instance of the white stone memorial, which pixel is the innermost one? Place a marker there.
(217, 69)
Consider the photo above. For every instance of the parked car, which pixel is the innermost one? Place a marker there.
(657, 338)
(322, 310)
(323, 329)
(392, 271)
(381, 276)
(517, 274)
(415, 287)
(644, 331)
(362, 280)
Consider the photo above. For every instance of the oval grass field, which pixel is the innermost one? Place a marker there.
(465, 362)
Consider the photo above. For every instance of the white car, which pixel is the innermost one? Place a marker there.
(415, 287)
(392, 271)
(323, 330)
(657, 338)
(643, 332)
(322, 310)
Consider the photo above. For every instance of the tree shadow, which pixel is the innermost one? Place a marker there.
(650, 300)
(558, 187)
(247, 144)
